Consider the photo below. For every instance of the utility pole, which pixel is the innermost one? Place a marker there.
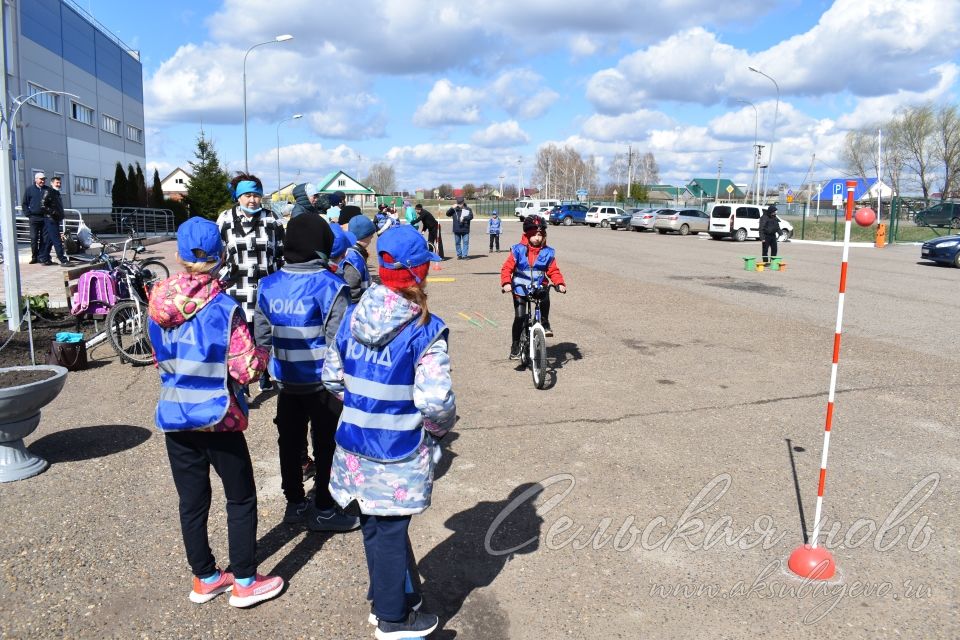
(719, 167)
(11, 271)
(629, 170)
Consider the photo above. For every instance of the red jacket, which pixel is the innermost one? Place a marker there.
(553, 271)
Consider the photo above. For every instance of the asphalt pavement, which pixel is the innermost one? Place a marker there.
(655, 489)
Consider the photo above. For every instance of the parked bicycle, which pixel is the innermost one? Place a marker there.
(533, 338)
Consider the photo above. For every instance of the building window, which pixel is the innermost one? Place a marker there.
(341, 182)
(48, 101)
(81, 113)
(134, 134)
(84, 186)
(178, 180)
(110, 125)
(107, 186)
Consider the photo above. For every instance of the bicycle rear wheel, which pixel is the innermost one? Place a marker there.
(153, 271)
(127, 332)
(538, 356)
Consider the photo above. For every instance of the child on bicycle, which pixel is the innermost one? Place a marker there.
(390, 363)
(205, 352)
(530, 264)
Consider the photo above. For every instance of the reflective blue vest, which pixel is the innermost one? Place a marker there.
(379, 419)
(357, 261)
(297, 306)
(526, 274)
(192, 359)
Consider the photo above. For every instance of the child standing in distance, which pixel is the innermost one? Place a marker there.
(390, 363)
(342, 240)
(493, 228)
(530, 263)
(205, 352)
(353, 268)
(299, 309)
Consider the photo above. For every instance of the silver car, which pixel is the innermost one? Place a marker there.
(642, 219)
(683, 221)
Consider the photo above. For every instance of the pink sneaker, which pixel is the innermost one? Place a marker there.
(205, 592)
(263, 588)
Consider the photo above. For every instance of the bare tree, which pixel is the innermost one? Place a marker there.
(617, 170)
(946, 147)
(560, 171)
(859, 152)
(912, 131)
(382, 178)
(648, 171)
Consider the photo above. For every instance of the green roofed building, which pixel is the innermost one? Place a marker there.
(355, 192)
(707, 188)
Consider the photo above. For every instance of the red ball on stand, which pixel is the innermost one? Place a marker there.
(865, 217)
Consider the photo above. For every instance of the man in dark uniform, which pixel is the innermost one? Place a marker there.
(32, 207)
(769, 232)
(431, 226)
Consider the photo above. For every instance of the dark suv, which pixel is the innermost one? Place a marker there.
(568, 214)
(944, 214)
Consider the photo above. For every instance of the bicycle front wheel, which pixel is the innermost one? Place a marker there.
(127, 332)
(538, 356)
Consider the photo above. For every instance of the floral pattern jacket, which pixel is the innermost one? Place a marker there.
(403, 487)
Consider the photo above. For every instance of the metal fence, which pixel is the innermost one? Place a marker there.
(150, 222)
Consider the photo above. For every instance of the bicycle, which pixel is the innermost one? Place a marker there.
(533, 338)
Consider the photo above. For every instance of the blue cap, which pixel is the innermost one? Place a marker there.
(342, 240)
(202, 234)
(361, 226)
(406, 246)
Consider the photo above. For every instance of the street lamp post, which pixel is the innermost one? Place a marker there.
(295, 116)
(756, 159)
(773, 136)
(8, 228)
(282, 38)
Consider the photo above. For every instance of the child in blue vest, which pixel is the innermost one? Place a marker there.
(390, 364)
(530, 263)
(353, 268)
(205, 352)
(493, 228)
(299, 309)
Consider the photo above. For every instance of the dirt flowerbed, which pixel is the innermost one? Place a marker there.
(46, 325)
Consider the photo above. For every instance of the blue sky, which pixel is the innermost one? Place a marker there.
(465, 92)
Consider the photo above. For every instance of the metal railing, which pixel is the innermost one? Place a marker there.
(108, 221)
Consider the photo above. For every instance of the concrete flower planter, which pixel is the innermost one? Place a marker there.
(19, 416)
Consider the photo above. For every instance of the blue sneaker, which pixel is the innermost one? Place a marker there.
(414, 602)
(296, 512)
(417, 625)
(331, 519)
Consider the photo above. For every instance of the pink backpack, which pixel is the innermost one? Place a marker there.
(96, 293)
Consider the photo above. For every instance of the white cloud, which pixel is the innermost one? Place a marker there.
(447, 104)
(311, 159)
(350, 117)
(501, 134)
(626, 127)
(874, 110)
(523, 93)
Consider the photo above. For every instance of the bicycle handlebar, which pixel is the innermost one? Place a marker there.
(536, 289)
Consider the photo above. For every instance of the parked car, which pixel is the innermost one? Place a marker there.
(642, 219)
(684, 221)
(945, 250)
(620, 221)
(568, 214)
(944, 214)
(600, 215)
(526, 207)
(740, 222)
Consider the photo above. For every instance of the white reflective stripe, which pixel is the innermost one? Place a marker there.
(298, 332)
(192, 368)
(378, 390)
(190, 396)
(388, 421)
(299, 355)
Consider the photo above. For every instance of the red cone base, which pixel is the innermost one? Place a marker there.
(811, 562)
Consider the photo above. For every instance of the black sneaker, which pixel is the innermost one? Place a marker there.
(331, 519)
(417, 625)
(515, 351)
(414, 602)
(266, 384)
(295, 513)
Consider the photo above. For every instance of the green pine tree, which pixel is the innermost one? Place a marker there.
(207, 193)
(156, 192)
(141, 188)
(132, 192)
(118, 193)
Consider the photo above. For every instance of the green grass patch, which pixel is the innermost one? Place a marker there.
(826, 229)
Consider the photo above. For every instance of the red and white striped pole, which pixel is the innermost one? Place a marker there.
(809, 560)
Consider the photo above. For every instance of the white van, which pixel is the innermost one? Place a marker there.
(530, 207)
(740, 222)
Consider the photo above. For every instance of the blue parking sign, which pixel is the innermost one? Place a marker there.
(838, 189)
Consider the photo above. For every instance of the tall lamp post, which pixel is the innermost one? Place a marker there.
(295, 116)
(282, 38)
(8, 229)
(773, 137)
(756, 158)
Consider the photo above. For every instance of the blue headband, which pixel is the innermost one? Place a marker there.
(248, 186)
